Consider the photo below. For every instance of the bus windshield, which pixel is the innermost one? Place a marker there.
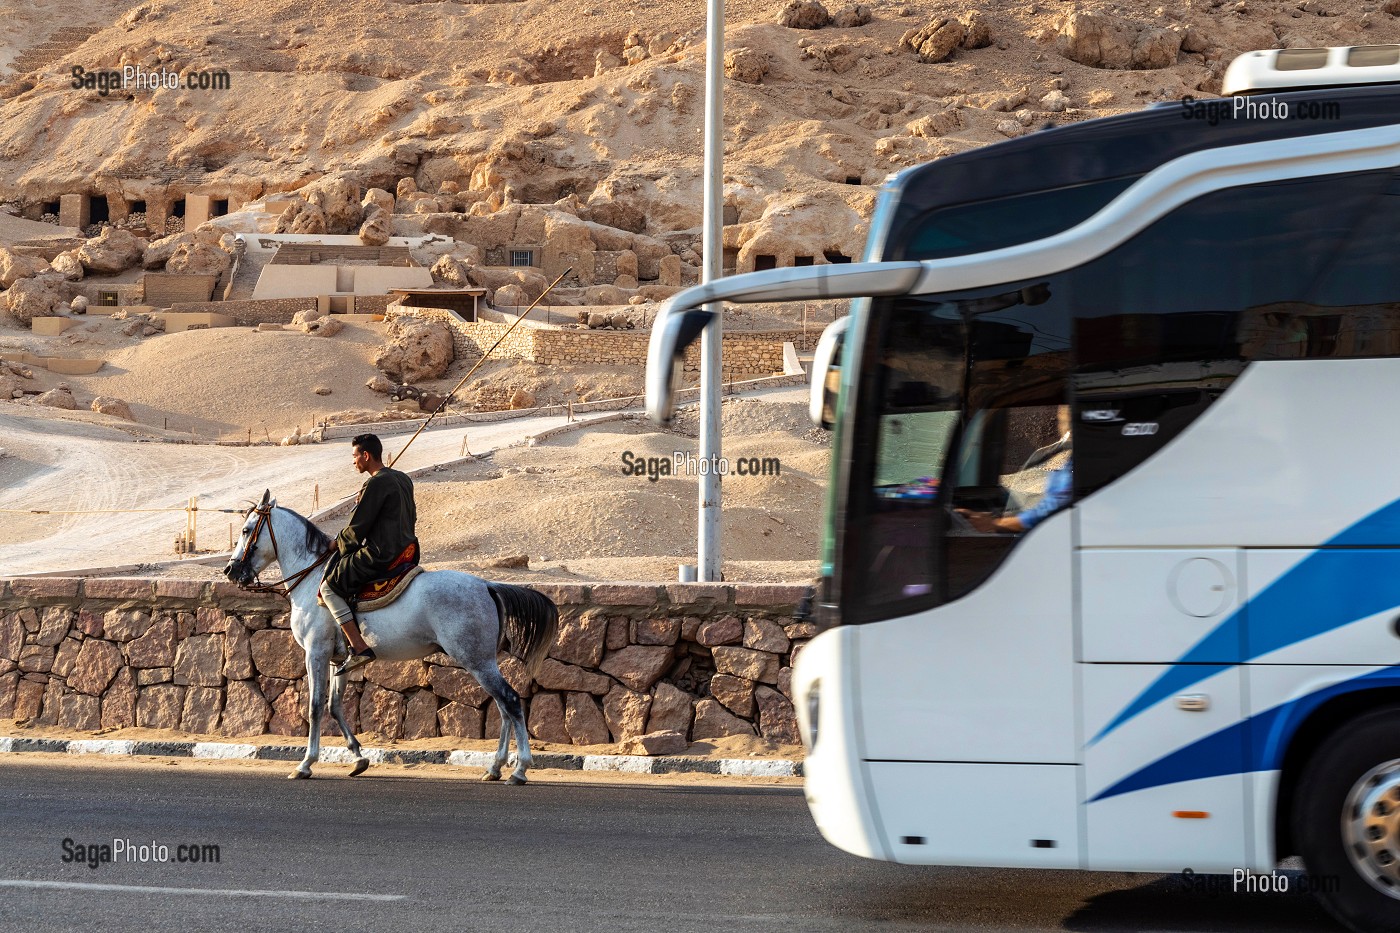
(984, 375)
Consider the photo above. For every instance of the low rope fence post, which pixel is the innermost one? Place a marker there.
(194, 524)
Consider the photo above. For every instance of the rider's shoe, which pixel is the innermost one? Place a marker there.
(354, 661)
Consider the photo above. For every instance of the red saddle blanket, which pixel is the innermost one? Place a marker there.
(402, 566)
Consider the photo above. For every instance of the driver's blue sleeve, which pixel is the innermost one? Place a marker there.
(1059, 490)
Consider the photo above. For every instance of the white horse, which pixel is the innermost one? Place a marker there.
(464, 616)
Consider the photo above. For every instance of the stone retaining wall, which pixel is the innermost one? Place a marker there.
(647, 665)
(372, 304)
(683, 397)
(744, 351)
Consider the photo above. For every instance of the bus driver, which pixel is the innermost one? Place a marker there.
(1059, 490)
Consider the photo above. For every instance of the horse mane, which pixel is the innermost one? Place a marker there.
(316, 539)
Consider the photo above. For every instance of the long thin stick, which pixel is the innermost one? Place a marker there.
(459, 385)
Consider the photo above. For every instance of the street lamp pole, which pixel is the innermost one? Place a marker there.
(711, 342)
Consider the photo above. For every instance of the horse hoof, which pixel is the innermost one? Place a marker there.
(517, 779)
(360, 765)
(489, 776)
(298, 775)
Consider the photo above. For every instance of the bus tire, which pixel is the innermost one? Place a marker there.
(1346, 820)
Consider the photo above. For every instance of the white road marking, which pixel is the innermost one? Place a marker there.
(145, 889)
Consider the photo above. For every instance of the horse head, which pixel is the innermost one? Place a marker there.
(254, 550)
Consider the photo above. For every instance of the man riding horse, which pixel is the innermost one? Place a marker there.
(378, 538)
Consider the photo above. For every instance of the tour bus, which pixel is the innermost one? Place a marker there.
(1182, 325)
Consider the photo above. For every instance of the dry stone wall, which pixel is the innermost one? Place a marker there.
(647, 666)
(744, 352)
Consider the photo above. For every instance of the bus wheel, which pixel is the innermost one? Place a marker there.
(1346, 819)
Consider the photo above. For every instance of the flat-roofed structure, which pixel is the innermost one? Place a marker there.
(464, 302)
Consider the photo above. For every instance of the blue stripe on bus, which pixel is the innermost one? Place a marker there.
(1254, 744)
(1318, 595)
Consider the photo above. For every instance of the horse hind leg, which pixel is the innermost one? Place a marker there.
(512, 718)
(338, 711)
(493, 773)
(523, 759)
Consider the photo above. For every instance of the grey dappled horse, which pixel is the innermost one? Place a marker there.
(466, 617)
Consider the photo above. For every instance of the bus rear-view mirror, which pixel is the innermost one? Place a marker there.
(826, 374)
(671, 335)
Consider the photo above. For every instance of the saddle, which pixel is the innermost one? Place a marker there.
(382, 592)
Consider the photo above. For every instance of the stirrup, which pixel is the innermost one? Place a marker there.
(355, 661)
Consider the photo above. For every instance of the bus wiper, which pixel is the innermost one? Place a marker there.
(1030, 295)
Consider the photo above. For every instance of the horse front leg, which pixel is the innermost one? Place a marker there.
(338, 711)
(318, 661)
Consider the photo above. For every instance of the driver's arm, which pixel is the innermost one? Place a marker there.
(1059, 489)
(987, 523)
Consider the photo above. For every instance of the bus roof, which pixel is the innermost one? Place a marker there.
(1291, 69)
(1126, 146)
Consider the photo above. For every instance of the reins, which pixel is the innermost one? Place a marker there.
(284, 586)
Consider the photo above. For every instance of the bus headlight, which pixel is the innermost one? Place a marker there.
(814, 705)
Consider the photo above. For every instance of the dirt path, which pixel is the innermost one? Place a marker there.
(63, 465)
(77, 468)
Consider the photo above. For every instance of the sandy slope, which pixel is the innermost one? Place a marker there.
(226, 380)
(570, 505)
(17, 229)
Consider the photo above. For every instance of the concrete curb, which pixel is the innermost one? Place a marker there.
(547, 433)
(335, 754)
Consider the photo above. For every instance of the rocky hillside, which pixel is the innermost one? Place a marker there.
(536, 101)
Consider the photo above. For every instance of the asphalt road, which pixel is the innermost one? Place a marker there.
(392, 851)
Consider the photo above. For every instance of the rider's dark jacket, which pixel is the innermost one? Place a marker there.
(380, 528)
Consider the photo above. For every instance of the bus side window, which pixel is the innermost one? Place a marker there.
(1157, 343)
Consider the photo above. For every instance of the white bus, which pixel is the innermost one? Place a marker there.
(1187, 653)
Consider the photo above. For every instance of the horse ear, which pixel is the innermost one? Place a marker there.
(267, 497)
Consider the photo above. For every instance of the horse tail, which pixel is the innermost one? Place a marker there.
(528, 619)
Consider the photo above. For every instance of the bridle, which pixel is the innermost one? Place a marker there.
(284, 586)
